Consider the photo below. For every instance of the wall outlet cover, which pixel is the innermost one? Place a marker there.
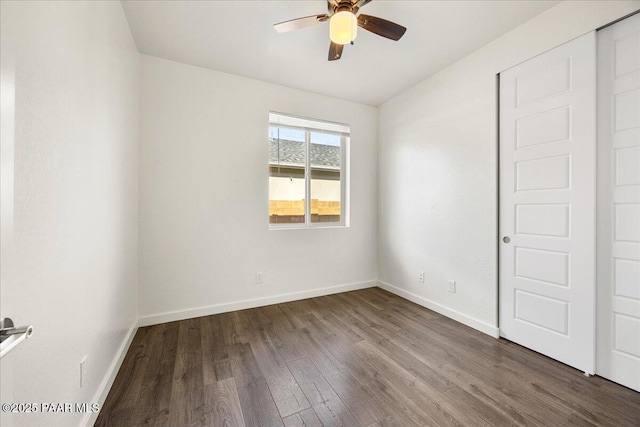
(83, 369)
(452, 286)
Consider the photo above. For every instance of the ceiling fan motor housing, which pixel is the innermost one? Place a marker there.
(341, 6)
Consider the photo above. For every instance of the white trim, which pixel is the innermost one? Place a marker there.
(305, 123)
(101, 395)
(172, 316)
(307, 177)
(445, 311)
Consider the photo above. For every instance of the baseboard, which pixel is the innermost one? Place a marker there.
(445, 311)
(155, 319)
(101, 395)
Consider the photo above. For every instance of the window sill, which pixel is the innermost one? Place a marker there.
(306, 227)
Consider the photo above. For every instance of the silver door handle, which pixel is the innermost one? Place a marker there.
(7, 332)
(7, 329)
(506, 239)
(11, 336)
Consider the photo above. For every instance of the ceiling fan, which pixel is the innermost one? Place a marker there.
(343, 24)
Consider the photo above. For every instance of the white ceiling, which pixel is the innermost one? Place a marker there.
(238, 37)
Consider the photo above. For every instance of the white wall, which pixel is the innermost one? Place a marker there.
(75, 214)
(437, 174)
(201, 241)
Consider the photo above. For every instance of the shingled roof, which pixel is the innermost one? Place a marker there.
(291, 153)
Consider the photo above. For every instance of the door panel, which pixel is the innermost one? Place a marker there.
(547, 199)
(618, 337)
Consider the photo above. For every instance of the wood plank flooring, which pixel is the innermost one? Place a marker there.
(362, 358)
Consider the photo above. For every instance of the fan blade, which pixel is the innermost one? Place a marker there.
(381, 27)
(362, 3)
(335, 51)
(296, 24)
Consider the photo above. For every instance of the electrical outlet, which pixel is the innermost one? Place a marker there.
(259, 278)
(452, 286)
(83, 369)
(421, 276)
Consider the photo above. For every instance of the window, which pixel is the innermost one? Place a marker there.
(307, 172)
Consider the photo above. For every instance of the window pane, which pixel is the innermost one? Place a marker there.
(287, 158)
(325, 158)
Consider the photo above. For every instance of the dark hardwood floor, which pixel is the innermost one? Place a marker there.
(363, 358)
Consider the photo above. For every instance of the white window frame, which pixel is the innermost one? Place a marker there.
(323, 126)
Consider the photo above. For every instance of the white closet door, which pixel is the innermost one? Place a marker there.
(618, 339)
(547, 203)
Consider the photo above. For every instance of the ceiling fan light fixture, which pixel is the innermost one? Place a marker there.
(343, 27)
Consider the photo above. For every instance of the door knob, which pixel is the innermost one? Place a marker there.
(506, 239)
